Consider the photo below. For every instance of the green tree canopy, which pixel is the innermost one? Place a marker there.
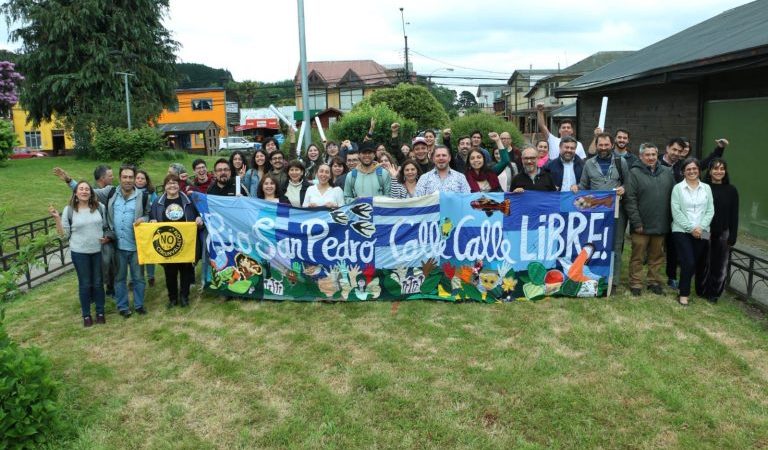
(466, 100)
(193, 75)
(257, 94)
(485, 123)
(411, 102)
(71, 51)
(355, 124)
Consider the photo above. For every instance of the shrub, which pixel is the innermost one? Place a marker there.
(29, 409)
(130, 147)
(7, 140)
(355, 124)
(411, 102)
(486, 123)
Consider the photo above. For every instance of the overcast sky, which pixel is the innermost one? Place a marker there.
(258, 40)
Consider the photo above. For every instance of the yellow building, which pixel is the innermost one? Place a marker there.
(49, 136)
(340, 84)
(199, 118)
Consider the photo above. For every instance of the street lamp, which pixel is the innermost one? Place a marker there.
(429, 77)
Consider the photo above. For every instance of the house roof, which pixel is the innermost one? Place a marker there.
(568, 110)
(332, 74)
(490, 88)
(528, 73)
(733, 34)
(182, 127)
(595, 61)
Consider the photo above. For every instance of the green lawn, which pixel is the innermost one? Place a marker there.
(29, 185)
(563, 373)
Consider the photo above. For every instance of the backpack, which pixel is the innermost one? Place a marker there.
(379, 175)
(144, 201)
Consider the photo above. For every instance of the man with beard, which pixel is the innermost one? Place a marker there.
(224, 184)
(620, 146)
(532, 178)
(565, 130)
(442, 178)
(566, 169)
(605, 172)
(421, 154)
(368, 179)
(459, 161)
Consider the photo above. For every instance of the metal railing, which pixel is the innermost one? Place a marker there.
(748, 276)
(53, 260)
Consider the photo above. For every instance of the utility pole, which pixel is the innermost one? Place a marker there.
(127, 95)
(304, 79)
(407, 69)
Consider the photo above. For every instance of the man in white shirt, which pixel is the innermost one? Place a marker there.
(566, 130)
(442, 177)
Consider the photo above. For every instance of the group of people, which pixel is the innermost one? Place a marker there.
(670, 211)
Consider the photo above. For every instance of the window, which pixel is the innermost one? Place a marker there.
(33, 139)
(349, 98)
(202, 104)
(317, 99)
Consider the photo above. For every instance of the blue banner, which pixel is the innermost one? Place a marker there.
(483, 247)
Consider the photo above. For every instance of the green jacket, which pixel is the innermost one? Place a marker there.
(647, 198)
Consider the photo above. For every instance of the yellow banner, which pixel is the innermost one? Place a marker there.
(166, 242)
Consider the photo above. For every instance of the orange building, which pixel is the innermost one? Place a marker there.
(200, 117)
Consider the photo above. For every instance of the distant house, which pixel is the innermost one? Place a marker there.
(487, 94)
(519, 83)
(48, 136)
(705, 82)
(196, 107)
(340, 84)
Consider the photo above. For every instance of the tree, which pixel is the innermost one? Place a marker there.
(9, 80)
(411, 102)
(466, 100)
(257, 94)
(486, 123)
(7, 141)
(446, 97)
(71, 51)
(355, 124)
(192, 75)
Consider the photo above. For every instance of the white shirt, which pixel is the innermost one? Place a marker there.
(332, 194)
(569, 177)
(554, 148)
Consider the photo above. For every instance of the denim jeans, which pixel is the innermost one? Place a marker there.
(125, 259)
(148, 269)
(91, 289)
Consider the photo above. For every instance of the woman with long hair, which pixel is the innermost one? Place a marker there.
(479, 176)
(331, 151)
(238, 163)
(83, 222)
(323, 193)
(312, 158)
(692, 212)
(723, 229)
(542, 146)
(269, 189)
(259, 166)
(338, 169)
(403, 184)
(175, 206)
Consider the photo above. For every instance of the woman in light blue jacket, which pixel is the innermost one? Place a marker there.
(692, 212)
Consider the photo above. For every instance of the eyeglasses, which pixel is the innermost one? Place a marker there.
(530, 157)
(222, 169)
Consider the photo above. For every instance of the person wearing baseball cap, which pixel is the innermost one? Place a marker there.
(368, 179)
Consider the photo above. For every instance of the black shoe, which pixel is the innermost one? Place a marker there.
(712, 300)
(184, 301)
(141, 311)
(87, 321)
(656, 289)
(635, 291)
(100, 319)
(125, 313)
(151, 281)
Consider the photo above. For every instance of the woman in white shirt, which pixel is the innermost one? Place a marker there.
(83, 223)
(692, 212)
(322, 193)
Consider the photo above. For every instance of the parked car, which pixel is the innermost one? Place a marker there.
(24, 153)
(237, 143)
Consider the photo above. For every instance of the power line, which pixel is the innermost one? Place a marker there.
(456, 65)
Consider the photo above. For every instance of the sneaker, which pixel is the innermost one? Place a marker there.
(125, 313)
(87, 321)
(673, 284)
(141, 311)
(656, 289)
(635, 291)
(100, 319)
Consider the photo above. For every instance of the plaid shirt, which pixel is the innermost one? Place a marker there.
(431, 182)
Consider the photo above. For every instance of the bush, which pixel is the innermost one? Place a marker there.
(7, 140)
(168, 155)
(411, 102)
(354, 125)
(29, 409)
(486, 123)
(130, 147)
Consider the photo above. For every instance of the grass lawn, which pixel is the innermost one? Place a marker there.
(29, 185)
(568, 373)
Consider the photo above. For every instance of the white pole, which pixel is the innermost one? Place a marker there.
(282, 117)
(237, 185)
(301, 138)
(603, 110)
(320, 128)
